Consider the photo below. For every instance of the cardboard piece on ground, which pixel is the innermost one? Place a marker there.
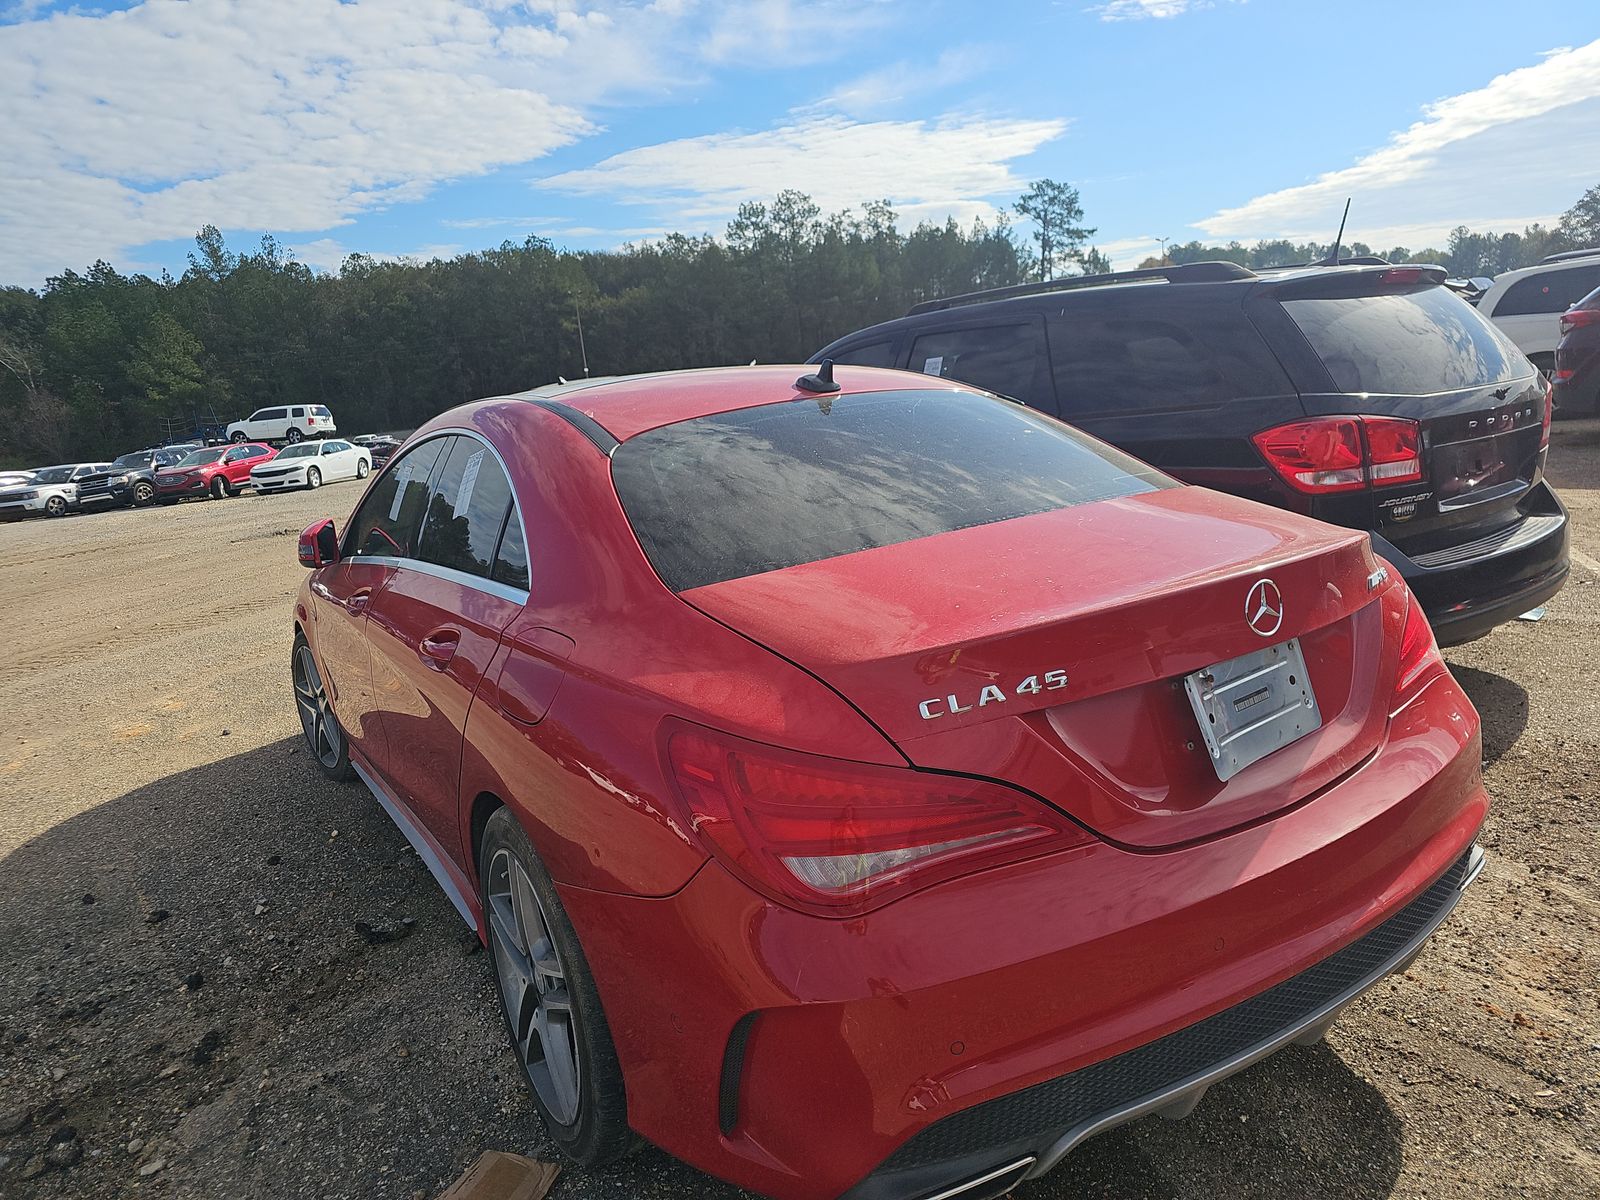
(501, 1176)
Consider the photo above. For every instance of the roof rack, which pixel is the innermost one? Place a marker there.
(1200, 272)
(1568, 255)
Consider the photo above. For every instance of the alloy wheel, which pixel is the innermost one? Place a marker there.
(55, 506)
(313, 477)
(316, 719)
(294, 435)
(143, 493)
(533, 988)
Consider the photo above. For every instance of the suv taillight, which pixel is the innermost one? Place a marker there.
(1343, 454)
(1549, 411)
(838, 837)
(1420, 660)
(1577, 318)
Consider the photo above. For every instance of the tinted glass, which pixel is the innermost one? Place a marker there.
(1411, 344)
(386, 524)
(297, 412)
(334, 447)
(466, 508)
(1548, 291)
(320, 411)
(54, 475)
(199, 458)
(1007, 359)
(873, 354)
(511, 561)
(756, 490)
(131, 461)
(269, 414)
(1129, 363)
(303, 450)
(167, 458)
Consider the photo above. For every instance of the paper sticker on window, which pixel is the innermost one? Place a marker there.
(934, 365)
(402, 477)
(469, 480)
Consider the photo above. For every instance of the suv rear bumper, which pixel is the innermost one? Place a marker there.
(1467, 594)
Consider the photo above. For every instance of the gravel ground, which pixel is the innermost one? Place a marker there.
(188, 1007)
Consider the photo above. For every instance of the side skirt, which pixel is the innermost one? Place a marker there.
(428, 850)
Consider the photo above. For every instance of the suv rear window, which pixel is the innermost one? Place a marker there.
(759, 489)
(1408, 344)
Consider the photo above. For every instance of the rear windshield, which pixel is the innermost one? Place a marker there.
(1410, 344)
(759, 489)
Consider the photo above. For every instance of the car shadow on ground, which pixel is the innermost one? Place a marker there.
(243, 970)
(1501, 702)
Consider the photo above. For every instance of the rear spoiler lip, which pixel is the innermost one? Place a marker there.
(1349, 281)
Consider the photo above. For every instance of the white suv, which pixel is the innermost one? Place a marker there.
(291, 423)
(1527, 304)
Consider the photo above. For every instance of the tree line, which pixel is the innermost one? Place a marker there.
(100, 362)
(1466, 254)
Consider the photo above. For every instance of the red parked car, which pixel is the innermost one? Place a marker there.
(215, 471)
(872, 788)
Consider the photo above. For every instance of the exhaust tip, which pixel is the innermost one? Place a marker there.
(989, 1186)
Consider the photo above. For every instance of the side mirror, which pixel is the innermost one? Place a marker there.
(319, 544)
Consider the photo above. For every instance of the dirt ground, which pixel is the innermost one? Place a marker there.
(188, 1008)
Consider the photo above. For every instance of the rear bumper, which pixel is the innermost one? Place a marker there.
(1006, 1016)
(1468, 590)
(1038, 1126)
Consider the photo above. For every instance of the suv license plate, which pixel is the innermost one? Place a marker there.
(1252, 705)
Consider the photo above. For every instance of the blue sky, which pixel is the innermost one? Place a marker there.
(422, 127)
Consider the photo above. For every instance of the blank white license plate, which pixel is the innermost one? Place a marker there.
(1252, 705)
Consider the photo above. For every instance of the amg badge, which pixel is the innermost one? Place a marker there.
(948, 706)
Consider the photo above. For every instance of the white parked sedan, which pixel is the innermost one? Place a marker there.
(310, 465)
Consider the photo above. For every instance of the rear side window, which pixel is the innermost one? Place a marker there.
(872, 354)
(386, 524)
(760, 489)
(1548, 291)
(466, 508)
(1406, 344)
(1006, 359)
(511, 560)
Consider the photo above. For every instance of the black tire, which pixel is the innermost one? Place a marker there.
(294, 435)
(143, 494)
(55, 506)
(329, 747)
(599, 1133)
(219, 488)
(239, 436)
(362, 468)
(313, 478)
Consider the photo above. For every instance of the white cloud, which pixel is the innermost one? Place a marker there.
(926, 169)
(886, 87)
(1520, 148)
(1141, 10)
(140, 125)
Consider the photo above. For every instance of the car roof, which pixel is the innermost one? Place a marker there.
(628, 405)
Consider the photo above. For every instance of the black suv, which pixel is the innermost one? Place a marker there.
(1368, 396)
(131, 480)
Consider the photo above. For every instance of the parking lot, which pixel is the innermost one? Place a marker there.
(227, 976)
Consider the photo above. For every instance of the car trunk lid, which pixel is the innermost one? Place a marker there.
(1050, 651)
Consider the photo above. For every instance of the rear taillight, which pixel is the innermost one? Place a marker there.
(1549, 411)
(1577, 318)
(840, 837)
(1420, 660)
(1343, 454)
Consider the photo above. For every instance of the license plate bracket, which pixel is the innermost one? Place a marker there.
(1250, 706)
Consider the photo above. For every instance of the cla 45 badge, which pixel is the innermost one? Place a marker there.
(948, 706)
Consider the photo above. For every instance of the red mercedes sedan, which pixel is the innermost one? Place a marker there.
(871, 788)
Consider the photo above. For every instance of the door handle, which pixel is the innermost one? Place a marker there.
(438, 648)
(357, 600)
